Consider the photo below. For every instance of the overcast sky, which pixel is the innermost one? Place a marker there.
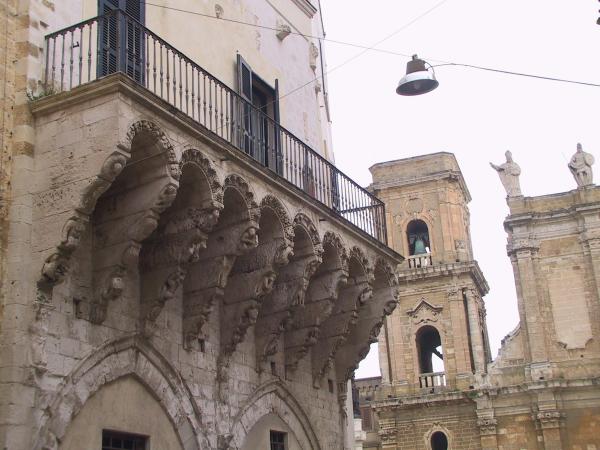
(475, 115)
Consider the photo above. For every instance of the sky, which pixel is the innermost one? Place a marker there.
(474, 114)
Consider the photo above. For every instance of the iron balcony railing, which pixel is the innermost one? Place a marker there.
(115, 42)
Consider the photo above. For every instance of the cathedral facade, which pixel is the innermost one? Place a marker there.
(439, 387)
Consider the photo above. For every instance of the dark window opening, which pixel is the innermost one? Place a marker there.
(115, 440)
(258, 128)
(439, 441)
(277, 440)
(429, 349)
(418, 238)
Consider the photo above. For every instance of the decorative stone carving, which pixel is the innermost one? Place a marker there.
(424, 313)
(313, 56)
(509, 175)
(581, 167)
(283, 31)
(525, 246)
(111, 291)
(237, 182)
(145, 126)
(487, 426)
(152, 309)
(194, 156)
(111, 168)
(56, 265)
(549, 419)
(414, 205)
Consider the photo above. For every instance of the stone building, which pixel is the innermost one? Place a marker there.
(439, 388)
(182, 265)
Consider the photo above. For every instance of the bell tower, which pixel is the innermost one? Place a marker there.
(436, 339)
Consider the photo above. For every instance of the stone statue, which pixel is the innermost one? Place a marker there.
(581, 167)
(509, 175)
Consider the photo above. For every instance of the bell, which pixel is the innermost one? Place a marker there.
(418, 80)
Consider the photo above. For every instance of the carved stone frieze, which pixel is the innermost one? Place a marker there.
(237, 182)
(194, 156)
(549, 419)
(147, 127)
(487, 426)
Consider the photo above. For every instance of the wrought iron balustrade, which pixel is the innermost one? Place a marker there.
(115, 42)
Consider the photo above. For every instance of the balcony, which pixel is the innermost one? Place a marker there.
(434, 380)
(419, 261)
(169, 208)
(115, 42)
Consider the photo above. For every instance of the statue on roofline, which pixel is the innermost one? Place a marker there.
(581, 167)
(509, 175)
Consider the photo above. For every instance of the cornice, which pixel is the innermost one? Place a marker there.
(306, 7)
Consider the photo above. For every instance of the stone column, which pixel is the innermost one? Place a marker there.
(475, 330)
(487, 433)
(550, 423)
(523, 254)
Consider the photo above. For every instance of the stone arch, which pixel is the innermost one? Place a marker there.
(437, 428)
(302, 220)
(125, 233)
(423, 217)
(358, 259)
(144, 126)
(57, 264)
(128, 356)
(273, 203)
(273, 398)
(335, 241)
(237, 182)
(427, 338)
(192, 155)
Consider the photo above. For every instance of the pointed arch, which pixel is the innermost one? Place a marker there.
(130, 356)
(273, 398)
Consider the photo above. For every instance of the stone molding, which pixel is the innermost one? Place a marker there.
(271, 398)
(129, 356)
(306, 7)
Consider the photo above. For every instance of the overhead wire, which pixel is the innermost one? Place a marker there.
(373, 48)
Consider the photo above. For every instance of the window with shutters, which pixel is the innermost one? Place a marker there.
(121, 38)
(258, 131)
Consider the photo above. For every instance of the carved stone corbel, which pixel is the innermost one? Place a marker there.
(309, 316)
(338, 326)
(278, 308)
